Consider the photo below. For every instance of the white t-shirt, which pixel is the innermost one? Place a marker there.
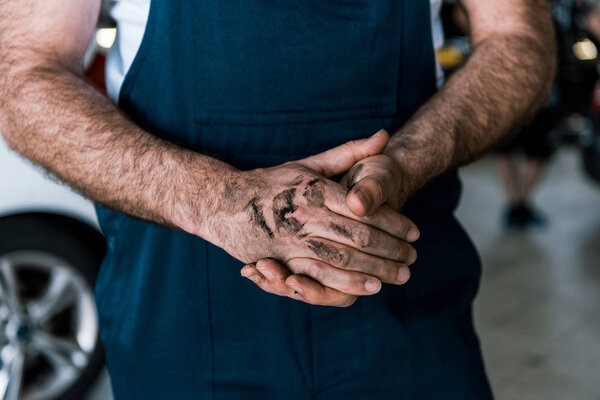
(132, 16)
(438, 35)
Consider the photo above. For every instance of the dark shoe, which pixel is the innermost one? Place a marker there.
(513, 219)
(532, 218)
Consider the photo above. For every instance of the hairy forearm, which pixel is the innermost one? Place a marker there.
(505, 80)
(50, 115)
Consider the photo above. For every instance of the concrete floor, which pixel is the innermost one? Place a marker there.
(538, 311)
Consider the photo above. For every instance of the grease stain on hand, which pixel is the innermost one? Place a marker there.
(314, 194)
(325, 252)
(341, 230)
(283, 204)
(257, 217)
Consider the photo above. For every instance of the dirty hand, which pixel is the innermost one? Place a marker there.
(325, 253)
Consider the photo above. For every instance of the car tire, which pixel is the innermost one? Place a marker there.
(48, 319)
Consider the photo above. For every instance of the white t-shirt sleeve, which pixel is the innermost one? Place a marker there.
(131, 17)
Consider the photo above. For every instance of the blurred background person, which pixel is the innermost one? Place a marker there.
(522, 161)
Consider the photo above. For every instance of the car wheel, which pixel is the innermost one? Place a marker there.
(49, 340)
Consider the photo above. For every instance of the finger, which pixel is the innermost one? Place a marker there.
(295, 287)
(340, 159)
(368, 194)
(371, 182)
(361, 236)
(349, 282)
(271, 276)
(276, 274)
(348, 258)
(271, 279)
(384, 218)
(314, 293)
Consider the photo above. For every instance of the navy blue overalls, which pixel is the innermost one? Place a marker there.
(257, 83)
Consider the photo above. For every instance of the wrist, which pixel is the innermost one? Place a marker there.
(203, 192)
(226, 224)
(418, 158)
(410, 180)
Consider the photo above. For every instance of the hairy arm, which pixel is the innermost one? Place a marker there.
(506, 79)
(49, 114)
(52, 116)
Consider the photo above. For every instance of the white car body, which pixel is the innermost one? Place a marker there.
(25, 187)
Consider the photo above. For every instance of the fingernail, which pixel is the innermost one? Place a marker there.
(373, 286)
(297, 290)
(403, 274)
(413, 235)
(377, 133)
(245, 271)
(253, 278)
(266, 272)
(364, 199)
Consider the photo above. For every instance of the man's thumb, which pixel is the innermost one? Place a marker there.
(340, 159)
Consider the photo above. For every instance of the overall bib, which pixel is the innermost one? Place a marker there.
(258, 83)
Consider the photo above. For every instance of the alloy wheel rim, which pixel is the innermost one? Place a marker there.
(29, 324)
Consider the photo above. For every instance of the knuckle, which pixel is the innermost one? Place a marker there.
(317, 273)
(350, 143)
(347, 146)
(364, 237)
(350, 146)
(301, 214)
(343, 257)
